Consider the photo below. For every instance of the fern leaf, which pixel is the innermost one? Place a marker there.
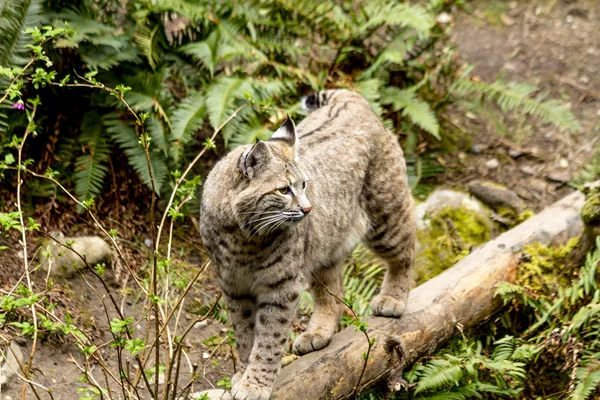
(124, 134)
(588, 381)
(417, 110)
(517, 97)
(157, 132)
(504, 349)
(15, 16)
(221, 100)
(394, 13)
(205, 51)
(438, 374)
(187, 117)
(90, 168)
(146, 39)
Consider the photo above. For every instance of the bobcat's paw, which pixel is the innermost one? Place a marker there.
(387, 306)
(310, 341)
(245, 390)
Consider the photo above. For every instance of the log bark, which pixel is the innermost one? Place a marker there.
(459, 298)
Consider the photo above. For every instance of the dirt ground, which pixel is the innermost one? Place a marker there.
(552, 44)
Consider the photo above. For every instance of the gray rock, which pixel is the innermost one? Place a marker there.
(59, 260)
(526, 169)
(514, 153)
(444, 198)
(11, 357)
(492, 164)
(478, 148)
(560, 176)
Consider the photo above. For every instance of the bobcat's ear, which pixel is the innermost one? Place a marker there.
(254, 159)
(287, 135)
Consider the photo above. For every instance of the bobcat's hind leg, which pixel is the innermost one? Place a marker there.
(327, 310)
(393, 240)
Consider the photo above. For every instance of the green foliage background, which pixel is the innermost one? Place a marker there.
(191, 63)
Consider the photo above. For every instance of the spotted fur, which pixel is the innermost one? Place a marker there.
(281, 215)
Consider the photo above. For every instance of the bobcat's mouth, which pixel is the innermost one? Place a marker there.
(294, 216)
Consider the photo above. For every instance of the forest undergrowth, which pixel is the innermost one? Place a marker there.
(112, 112)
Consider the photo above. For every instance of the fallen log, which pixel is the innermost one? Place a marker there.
(457, 299)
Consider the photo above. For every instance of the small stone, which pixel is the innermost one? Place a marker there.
(538, 10)
(205, 355)
(508, 21)
(538, 185)
(590, 50)
(514, 153)
(584, 79)
(563, 163)
(492, 164)
(569, 19)
(444, 18)
(526, 169)
(201, 324)
(148, 242)
(470, 115)
(560, 176)
(478, 148)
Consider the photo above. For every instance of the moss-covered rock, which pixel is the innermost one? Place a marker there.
(448, 236)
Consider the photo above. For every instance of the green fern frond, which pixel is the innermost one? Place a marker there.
(370, 89)
(187, 117)
(381, 12)
(221, 97)
(508, 291)
(250, 133)
(146, 38)
(101, 46)
(505, 348)
(205, 52)
(124, 134)
(438, 374)
(517, 97)
(417, 110)
(588, 381)
(15, 17)
(589, 173)
(469, 391)
(156, 130)
(90, 168)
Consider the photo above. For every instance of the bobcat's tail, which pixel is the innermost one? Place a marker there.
(324, 97)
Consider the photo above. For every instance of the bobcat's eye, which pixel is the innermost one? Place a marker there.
(285, 190)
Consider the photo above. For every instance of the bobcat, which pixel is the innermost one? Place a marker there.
(282, 214)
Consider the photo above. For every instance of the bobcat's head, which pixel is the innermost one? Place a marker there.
(271, 184)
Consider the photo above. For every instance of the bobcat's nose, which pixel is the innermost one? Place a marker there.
(304, 204)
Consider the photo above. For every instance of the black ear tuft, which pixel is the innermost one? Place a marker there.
(254, 159)
(286, 133)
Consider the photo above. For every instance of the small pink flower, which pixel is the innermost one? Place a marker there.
(19, 106)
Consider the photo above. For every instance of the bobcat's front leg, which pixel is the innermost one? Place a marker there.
(241, 310)
(275, 311)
